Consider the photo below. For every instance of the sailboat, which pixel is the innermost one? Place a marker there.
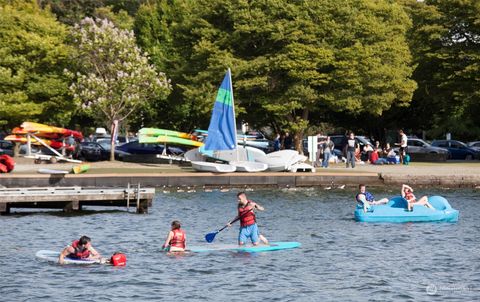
(222, 134)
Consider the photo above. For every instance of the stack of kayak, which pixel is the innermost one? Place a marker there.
(396, 211)
(155, 136)
(49, 135)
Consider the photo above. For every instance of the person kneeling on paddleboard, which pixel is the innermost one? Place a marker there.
(79, 249)
(176, 239)
(248, 221)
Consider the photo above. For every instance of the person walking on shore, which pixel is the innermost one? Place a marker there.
(350, 148)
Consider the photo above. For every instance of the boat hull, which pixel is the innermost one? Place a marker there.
(396, 211)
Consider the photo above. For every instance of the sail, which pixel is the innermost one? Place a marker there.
(222, 130)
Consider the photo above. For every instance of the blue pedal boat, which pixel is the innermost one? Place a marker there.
(396, 211)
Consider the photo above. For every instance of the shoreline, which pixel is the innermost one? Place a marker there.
(111, 174)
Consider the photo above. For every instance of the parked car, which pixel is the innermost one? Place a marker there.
(474, 145)
(336, 152)
(6, 147)
(93, 151)
(420, 150)
(136, 147)
(362, 141)
(457, 149)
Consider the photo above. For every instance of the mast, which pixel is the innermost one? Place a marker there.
(234, 118)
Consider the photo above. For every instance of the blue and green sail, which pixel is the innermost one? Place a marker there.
(222, 129)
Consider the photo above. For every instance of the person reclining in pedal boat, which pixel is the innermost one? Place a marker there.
(79, 249)
(407, 194)
(365, 199)
(176, 239)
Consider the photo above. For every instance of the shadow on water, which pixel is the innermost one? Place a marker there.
(56, 213)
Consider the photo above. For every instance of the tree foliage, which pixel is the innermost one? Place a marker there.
(445, 41)
(33, 55)
(113, 78)
(290, 58)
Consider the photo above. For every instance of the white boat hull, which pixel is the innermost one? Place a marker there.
(248, 166)
(203, 166)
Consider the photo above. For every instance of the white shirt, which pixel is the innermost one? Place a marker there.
(404, 140)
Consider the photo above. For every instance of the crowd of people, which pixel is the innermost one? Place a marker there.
(352, 152)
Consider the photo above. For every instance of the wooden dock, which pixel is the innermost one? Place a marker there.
(74, 198)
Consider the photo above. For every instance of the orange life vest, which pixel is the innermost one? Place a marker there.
(246, 214)
(80, 254)
(178, 239)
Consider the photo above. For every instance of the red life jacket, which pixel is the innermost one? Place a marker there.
(79, 253)
(246, 214)
(409, 196)
(178, 239)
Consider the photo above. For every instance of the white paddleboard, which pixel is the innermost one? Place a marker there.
(52, 256)
(52, 171)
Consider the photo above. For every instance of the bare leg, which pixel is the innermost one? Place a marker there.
(263, 239)
(382, 201)
(424, 201)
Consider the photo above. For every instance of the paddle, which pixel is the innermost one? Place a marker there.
(211, 236)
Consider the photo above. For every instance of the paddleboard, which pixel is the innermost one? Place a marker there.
(169, 139)
(52, 171)
(273, 246)
(164, 132)
(52, 256)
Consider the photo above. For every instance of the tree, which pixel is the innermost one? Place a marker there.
(33, 54)
(290, 59)
(113, 78)
(445, 42)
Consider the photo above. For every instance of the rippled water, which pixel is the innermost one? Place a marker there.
(340, 259)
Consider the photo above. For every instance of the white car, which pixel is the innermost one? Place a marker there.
(474, 145)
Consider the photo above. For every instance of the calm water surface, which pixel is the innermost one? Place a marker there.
(340, 259)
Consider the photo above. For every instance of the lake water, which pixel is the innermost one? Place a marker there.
(339, 260)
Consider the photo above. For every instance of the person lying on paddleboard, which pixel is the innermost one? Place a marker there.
(176, 239)
(248, 222)
(79, 249)
(407, 193)
(366, 199)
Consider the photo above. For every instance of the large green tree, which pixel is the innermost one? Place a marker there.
(289, 59)
(112, 76)
(445, 42)
(33, 55)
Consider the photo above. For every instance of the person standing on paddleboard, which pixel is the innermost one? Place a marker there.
(79, 249)
(176, 239)
(248, 222)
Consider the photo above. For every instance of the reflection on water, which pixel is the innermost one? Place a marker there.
(340, 259)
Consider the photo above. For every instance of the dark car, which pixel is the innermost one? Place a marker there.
(136, 147)
(457, 149)
(93, 151)
(362, 141)
(6, 147)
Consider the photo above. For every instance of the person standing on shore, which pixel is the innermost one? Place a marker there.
(350, 148)
(79, 249)
(403, 146)
(327, 147)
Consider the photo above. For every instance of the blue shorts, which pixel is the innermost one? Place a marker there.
(250, 231)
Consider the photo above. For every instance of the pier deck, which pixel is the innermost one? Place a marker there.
(74, 198)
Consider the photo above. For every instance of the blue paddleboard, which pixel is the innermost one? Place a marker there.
(273, 246)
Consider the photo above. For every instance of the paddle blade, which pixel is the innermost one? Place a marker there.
(210, 236)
